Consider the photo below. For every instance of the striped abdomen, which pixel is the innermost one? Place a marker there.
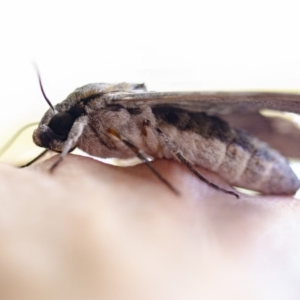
(240, 159)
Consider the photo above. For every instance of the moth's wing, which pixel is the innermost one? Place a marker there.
(240, 110)
(279, 133)
(212, 102)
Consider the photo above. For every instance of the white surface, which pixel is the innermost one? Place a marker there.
(168, 45)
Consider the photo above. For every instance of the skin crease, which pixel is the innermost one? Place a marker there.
(95, 231)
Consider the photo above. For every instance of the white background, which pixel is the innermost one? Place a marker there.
(169, 45)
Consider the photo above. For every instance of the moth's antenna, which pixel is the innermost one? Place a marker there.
(42, 89)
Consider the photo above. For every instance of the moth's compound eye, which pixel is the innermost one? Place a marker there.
(61, 124)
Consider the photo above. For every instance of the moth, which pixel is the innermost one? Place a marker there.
(125, 120)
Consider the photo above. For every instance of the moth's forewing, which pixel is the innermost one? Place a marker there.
(213, 102)
(239, 109)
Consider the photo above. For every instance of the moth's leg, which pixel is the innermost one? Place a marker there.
(166, 142)
(143, 158)
(72, 140)
(35, 159)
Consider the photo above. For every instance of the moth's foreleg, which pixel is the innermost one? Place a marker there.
(72, 139)
(172, 147)
(143, 158)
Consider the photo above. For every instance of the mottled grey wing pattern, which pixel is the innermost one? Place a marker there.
(213, 102)
(240, 110)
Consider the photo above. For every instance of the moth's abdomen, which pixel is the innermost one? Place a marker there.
(240, 159)
(252, 164)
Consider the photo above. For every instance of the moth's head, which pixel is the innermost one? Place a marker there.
(54, 128)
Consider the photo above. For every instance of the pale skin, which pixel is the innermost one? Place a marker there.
(95, 231)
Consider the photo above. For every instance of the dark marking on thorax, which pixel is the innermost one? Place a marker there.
(114, 107)
(134, 111)
(88, 99)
